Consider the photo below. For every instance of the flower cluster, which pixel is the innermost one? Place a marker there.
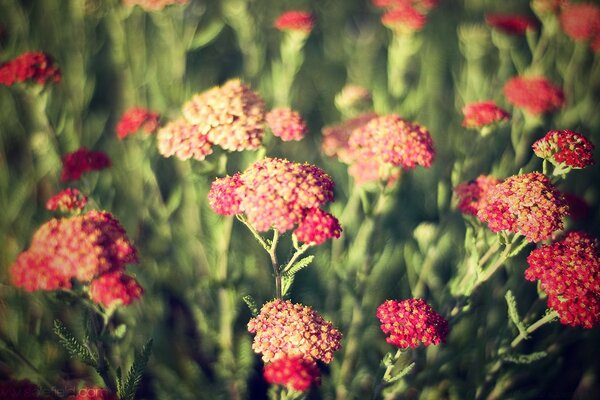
(405, 15)
(67, 200)
(284, 329)
(527, 204)
(297, 21)
(411, 322)
(19, 390)
(336, 137)
(89, 247)
(569, 273)
(536, 95)
(93, 394)
(277, 193)
(296, 373)
(513, 24)
(565, 148)
(153, 5)
(81, 161)
(471, 194)
(32, 66)
(286, 124)
(481, 114)
(135, 119)
(181, 139)
(581, 21)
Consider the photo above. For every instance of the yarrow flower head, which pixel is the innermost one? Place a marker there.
(411, 322)
(295, 20)
(569, 273)
(404, 19)
(135, 119)
(580, 21)
(318, 226)
(536, 95)
(513, 24)
(284, 329)
(295, 373)
(286, 124)
(482, 114)
(38, 67)
(565, 149)
(94, 393)
(471, 194)
(223, 197)
(183, 140)
(115, 288)
(67, 200)
(153, 5)
(81, 161)
(421, 5)
(231, 116)
(336, 137)
(527, 204)
(19, 390)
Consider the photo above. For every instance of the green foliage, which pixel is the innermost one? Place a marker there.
(74, 347)
(134, 376)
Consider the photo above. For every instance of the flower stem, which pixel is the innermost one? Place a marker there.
(276, 268)
(547, 318)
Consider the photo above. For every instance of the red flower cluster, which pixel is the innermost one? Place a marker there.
(85, 248)
(93, 394)
(336, 137)
(565, 148)
(276, 193)
(153, 5)
(113, 287)
(536, 95)
(19, 390)
(471, 194)
(183, 140)
(482, 114)
(135, 119)
(67, 200)
(404, 19)
(581, 21)
(296, 373)
(569, 273)
(527, 204)
(284, 329)
(82, 160)
(511, 23)
(298, 21)
(286, 124)
(32, 66)
(411, 322)
(422, 5)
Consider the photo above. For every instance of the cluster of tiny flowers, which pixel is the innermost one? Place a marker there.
(153, 5)
(295, 373)
(19, 390)
(527, 204)
(404, 19)
(181, 139)
(482, 114)
(32, 66)
(565, 148)
(471, 194)
(317, 227)
(93, 394)
(135, 119)
(286, 124)
(411, 322)
(67, 200)
(81, 161)
(284, 329)
(581, 21)
(511, 23)
(536, 95)
(276, 193)
(569, 273)
(231, 116)
(336, 137)
(113, 287)
(295, 20)
(84, 248)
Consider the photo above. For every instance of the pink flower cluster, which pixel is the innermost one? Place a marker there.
(67, 200)
(565, 148)
(411, 322)
(135, 119)
(93, 394)
(277, 193)
(92, 247)
(296, 373)
(481, 114)
(295, 20)
(405, 16)
(581, 22)
(81, 161)
(536, 95)
(513, 24)
(286, 124)
(38, 67)
(284, 329)
(471, 195)
(569, 273)
(527, 204)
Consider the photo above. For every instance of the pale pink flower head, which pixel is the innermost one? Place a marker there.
(471, 195)
(317, 226)
(569, 273)
(82, 161)
(223, 197)
(527, 204)
(286, 124)
(580, 21)
(67, 200)
(115, 288)
(284, 329)
(536, 95)
(295, 20)
(295, 373)
(481, 114)
(411, 322)
(135, 119)
(183, 140)
(565, 148)
(404, 19)
(37, 67)
(231, 116)
(512, 24)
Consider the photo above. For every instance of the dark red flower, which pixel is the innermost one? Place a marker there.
(535, 95)
(318, 226)
(301, 21)
(296, 373)
(38, 67)
(511, 23)
(565, 148)
(135, 119)
(81, 161)
(481, 114)
(580, 21)
(404, 19)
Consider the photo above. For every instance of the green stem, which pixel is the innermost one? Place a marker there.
(295, 256)
(549, 317)
(276, 268)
